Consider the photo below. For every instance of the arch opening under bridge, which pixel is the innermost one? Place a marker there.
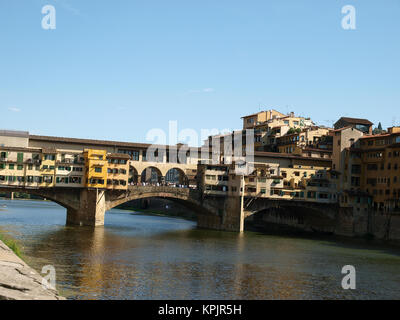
(300, 216)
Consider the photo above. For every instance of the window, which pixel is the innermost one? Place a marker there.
(356, 169)
(48, 179)
(97, 169)
(75, 180)
(20, 157)
(11, 166)
(49, 157)
(20, 167)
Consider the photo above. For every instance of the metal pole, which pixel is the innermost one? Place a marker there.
(241, 226)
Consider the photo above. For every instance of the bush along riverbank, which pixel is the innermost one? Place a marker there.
(12, 244)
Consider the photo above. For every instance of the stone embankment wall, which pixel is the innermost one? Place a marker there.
(18, 281)
(382, 226)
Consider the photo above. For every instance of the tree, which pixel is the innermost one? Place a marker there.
(293, 130)
(378, 130)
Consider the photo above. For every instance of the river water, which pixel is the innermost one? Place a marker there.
(137, 256)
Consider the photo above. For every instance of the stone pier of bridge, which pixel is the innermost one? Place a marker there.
(91, 209)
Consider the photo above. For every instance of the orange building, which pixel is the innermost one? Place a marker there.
(96, 168)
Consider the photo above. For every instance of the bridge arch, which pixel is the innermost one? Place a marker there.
(184, 196)
(68, 199)
(313, 217)
(176, 176)
(151, 174)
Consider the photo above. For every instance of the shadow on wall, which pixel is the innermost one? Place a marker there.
(160, 206)
(290, 221)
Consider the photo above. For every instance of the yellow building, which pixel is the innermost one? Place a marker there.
(117, 171)
(96, 168)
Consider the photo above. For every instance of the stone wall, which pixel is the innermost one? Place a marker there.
(20, 282)
(345, 222)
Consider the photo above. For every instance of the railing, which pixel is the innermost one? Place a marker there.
(160, 189)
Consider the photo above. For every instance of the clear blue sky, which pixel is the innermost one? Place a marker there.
(116, 69)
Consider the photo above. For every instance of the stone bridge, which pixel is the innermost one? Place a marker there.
(88, 206)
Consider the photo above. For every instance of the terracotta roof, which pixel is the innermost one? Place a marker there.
(89, 142)
(49, 150)
(21, 149)
(254, 114)
(317, 150)
(341, 129)
(377, 136)
(118, 155)
(287, 155)
(14, 133)
(356, 121)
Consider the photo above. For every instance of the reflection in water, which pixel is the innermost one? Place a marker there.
(150, 257)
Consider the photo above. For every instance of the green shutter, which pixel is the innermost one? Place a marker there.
(20, 157)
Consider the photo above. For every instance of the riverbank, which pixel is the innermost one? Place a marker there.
(18, 281)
